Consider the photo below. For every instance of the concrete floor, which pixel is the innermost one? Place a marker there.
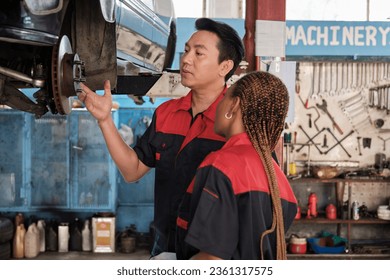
(140, 254)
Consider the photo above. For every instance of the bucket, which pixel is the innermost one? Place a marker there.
(127, 244)
(297, 245)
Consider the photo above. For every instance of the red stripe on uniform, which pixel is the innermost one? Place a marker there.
(211, 193)
(181, 223)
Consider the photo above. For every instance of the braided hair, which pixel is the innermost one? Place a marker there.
(264, 105)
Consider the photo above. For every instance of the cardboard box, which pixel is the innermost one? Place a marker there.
(103, 234)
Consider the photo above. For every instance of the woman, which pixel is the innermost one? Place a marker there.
(239, 204)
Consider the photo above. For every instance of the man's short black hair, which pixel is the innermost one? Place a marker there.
(230, 45)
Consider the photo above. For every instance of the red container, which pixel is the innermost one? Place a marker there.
(298, 215)
(331, 212)
(297, 245)
(312, 205)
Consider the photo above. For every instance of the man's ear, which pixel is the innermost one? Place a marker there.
(226, 66)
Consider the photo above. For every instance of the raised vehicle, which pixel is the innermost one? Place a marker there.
(53, 45)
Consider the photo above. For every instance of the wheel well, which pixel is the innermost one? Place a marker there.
(171, 46)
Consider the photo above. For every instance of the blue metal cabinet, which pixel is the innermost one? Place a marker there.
(136, 200)
(13, 154)
(59, 162)
(93, 184)
(49, 162)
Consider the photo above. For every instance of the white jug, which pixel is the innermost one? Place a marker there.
(42, 236)
(63, 237)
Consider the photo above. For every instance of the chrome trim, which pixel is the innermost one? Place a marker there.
(27, 36)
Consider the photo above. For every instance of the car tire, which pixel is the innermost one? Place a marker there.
(171, 47)
(6, 230)
(5, 251)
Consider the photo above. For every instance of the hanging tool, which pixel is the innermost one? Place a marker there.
(309, 115)
(325, 142)
(384, 142)
(366, 143)
(310, 139)
(311, 107)
(314, 84)
(338, 142)
(324, 108)
(360, 150)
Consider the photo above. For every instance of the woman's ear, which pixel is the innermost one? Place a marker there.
(235, 106)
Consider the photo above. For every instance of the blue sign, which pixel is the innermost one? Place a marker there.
(315, 38)
(337, 38)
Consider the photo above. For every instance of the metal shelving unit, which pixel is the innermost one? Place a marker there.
(345, 226)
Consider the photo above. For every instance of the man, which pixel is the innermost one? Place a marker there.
(182, 130)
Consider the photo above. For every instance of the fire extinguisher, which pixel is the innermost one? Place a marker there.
(312, 206)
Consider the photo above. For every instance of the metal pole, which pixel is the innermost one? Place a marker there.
(249, 37)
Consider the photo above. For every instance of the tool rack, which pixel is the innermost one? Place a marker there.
(336, 190)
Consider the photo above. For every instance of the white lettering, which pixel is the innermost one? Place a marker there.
(301, 35)
(359, 37)
(370, 36)
(384, 34)
(322, 35)
(334, 41)
(290, 32)
(310, 40)
(347, 35)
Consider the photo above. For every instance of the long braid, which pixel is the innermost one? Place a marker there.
(264, 105)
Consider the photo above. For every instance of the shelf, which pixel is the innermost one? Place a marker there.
(340, 221)
(346, 256)
(335, 191)
(340, 180)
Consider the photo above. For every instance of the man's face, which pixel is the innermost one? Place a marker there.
(199, 65)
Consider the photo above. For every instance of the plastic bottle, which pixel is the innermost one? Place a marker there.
(63, 237)
(86, 237)
(42, 236)
(19, 219)
(31, 241)
(331, 212)
(75, 240)
(312, 205)
(51, 238)
(18, 242)
(299, 214)
(355, 210)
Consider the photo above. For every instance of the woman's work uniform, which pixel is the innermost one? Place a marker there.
(175, 144)
(228, 205)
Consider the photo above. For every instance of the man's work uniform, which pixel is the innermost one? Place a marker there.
(175, 144)
(228, 205)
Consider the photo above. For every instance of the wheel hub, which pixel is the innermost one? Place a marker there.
(67, 73)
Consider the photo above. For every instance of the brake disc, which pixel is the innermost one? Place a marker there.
(67, 73)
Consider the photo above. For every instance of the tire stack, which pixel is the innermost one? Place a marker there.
(6, 235)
